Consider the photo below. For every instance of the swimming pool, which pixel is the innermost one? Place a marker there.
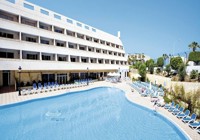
(95, 114)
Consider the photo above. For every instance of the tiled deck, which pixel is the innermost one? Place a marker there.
(13, 97)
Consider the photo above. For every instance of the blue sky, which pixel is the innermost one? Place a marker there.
(152, 27)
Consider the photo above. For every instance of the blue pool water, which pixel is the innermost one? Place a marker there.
(96, 114)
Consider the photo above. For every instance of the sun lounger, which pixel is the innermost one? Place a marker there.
(178, 111)
(35, 88)
(161, 102)
(167, 106)
(189, 119)
(195, 125)
(198, 130)
(173, 108)
(183, 115)
(40, 88)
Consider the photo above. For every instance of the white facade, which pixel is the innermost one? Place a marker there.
(42, 41)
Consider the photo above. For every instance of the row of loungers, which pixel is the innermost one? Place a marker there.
(184, 116)
(51, 86)
(145, 90)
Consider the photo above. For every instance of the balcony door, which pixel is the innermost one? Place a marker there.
(6, 78)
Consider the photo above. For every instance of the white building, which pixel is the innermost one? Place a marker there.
(139, 57)
(51, 47)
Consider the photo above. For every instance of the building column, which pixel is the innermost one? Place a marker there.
(37, 24)
(20, 54)
(39, 39)
(20, 36)
(66, 44)
(40, 56)
(89, 61)
(68, 78)
(69, 60)
(65, 32)
(54, 42)
(56, 78)
(77, 46)
(79, 59)
(56, 57)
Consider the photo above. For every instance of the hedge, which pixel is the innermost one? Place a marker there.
(194, 56)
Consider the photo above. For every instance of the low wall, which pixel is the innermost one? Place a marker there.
(167, 83)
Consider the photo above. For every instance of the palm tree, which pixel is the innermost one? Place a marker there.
(165, 56)
(194, 46)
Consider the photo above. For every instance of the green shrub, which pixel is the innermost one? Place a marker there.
(158, 70)
(194, 56)
(199, 77)
(193, 74)
(182, 72)
(160, 62)
(176, 62)
(166, 99)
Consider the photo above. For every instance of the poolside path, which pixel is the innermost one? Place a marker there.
(9, 98)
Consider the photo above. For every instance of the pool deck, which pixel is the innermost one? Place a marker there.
(12, 97)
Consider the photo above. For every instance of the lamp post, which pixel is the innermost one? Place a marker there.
(87, 76)
(19, 71)
(119, 73)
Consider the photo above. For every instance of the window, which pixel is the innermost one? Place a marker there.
(46, 57)
(94, 30)
(78, 24)
(12, 1)
(29, 22)
(59, 44)
(30, 39)
(87, 27)
(45, 42)
(58, 31)
(71, 46)
(6, 35)
(62, 58)
(44, 12)
(28, 6)
(5, 16)
(43, 27)
(6, 55)
(31, 56)
(98, 51)
(73, 59)
(81, 48)
(70, 33)
(57, 16)
(84, 60)
(70, 21)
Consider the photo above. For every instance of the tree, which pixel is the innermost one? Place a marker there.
(137, 65)
(165, 56)
(175, 62)
(182, 72)
(194, 56)
(142, 72)
(151, 68)
(160, 62)
(194, 46)
(168, 69)
(149, 63)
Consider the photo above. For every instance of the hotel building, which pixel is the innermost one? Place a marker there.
(51, 47)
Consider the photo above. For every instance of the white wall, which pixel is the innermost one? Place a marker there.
(190, 68)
